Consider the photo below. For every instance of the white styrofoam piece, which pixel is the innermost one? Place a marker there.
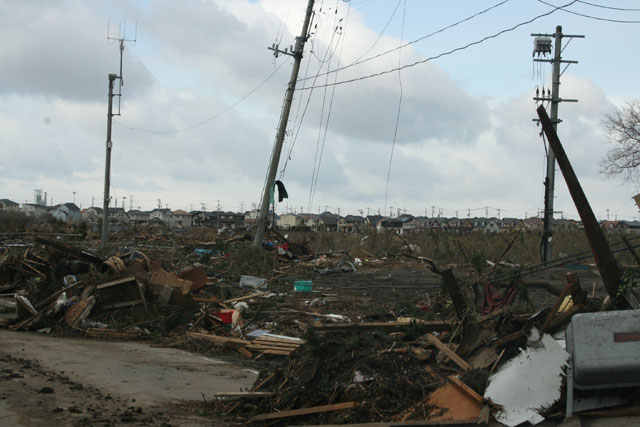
(529, 382)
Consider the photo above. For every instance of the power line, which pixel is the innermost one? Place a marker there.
(316, 165)
(379, 35)
(597, 18)
(304, 112)
(395, 131)
(358, 61)
(608, 7)
(449, 52)
(314, 185)
(226, 110)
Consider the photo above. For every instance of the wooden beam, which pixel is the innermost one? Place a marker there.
(242, 394)
(448, 352)
(434, 326)
(305, 411)
(607, 264)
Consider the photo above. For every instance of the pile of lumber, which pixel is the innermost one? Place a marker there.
(280, 346)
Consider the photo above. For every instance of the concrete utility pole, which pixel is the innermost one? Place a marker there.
(107, 165)
(296, 53)
(541, 45)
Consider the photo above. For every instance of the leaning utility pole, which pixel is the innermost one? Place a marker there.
(542, 45)
(107, 165)
(296, 53)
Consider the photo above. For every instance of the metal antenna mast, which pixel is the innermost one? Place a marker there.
(542, 46)
(296, 53)
(107, 164)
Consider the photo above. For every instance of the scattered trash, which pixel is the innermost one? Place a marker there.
(252, 282)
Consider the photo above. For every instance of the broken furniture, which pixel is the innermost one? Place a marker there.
(121, 293)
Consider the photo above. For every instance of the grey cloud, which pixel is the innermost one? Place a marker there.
(59, 49)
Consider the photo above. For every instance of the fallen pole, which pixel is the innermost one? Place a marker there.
(607, 264)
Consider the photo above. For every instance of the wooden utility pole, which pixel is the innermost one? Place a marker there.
(549, 182)
(296, 53)
(607, 264)
(107, 165)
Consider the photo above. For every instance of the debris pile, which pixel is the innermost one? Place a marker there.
(340, 338)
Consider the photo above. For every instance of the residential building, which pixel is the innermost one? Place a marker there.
(162, 214)
(7, 205)
(371, 221)
(91, 214)
(31, 209)
(181, 219)
(311, 221)
(138, 216)
(290, 221)
(67, 212)
(329, 221)
(395, 224)
(351, 224)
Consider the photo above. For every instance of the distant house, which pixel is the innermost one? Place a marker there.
(351, 224)
(311, 221)
(395, 224)
(493, 226)
(371, 221)
(416, 225)
(160, 214)
(458, 225)
(328, 221)
(91, 214)
(533, 224)
(250, 217)
(510, 224)
(118, 215)
(67, 212)
(633, 227)
(203, 219)
(229, 219)
(7, 205)
(181, 219)
(138, 216)
(31, 209)
(290, 221)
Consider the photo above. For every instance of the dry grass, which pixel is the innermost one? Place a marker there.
(448, 248)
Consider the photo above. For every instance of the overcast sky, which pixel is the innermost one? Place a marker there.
(202, 97)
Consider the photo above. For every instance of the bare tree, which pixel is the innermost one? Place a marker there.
(623, 127)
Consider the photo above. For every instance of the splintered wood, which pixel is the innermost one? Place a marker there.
(279, 346)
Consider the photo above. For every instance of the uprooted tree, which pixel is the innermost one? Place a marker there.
(623, 127)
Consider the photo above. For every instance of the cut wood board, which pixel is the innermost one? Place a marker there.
(305, 411)
(434, 326)
(448, 352)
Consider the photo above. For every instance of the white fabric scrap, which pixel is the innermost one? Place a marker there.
(528, 383)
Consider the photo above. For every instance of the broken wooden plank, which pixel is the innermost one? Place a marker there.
(434, 326)
(243, 394)
(218, 340)
(448, 352)
(305, 411)
(74, 252)
(79, 311)
(556, 306)
(246, 297)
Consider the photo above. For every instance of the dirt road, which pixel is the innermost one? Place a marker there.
(67, 382)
